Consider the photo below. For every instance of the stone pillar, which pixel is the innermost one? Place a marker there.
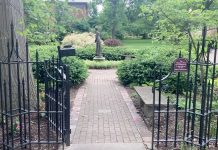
(11, 11)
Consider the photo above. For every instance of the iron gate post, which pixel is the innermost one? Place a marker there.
(67, 111)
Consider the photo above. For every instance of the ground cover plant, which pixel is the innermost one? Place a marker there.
(102, 64)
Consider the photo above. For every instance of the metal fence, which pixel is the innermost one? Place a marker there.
(43, 124)
(188, 118)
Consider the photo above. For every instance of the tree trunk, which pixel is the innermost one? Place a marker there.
(113, 31)
(11, 12)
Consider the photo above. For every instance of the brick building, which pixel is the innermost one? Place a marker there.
(82, 7)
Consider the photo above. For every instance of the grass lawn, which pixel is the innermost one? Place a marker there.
(143, 44)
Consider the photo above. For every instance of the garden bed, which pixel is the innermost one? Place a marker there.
(34, 135)
(162, 128)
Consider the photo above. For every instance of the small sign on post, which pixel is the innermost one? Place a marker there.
(180, 65)
(67, 50)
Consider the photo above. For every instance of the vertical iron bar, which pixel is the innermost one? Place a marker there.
(53, 93)
(195, 94)
(62, 103)
(153, 107)
(212, 90)
(28, 92)
(47, 102)
(216, 131)
(201, 130)
(37, 91)
(159, 107)
(207, 111)
(177, 104)
(187, 91)
(189, 106)
(24, 109)
(67, 111)
(167, 121)
(10, 96)
(19, 97)
(2, 108)
(57, 101)
(177, 107)
(6, 112)
(50, 89)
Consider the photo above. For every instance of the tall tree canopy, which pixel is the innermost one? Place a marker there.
(113, 16)
(47, 20)
(179, 17)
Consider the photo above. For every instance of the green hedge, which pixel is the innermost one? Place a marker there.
(110, 53)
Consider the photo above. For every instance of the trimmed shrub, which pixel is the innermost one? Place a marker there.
(78, 70)
(112, 42)
(110, 53)
(134, 72)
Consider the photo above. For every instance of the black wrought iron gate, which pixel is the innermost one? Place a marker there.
(34, 114)
(189, 119)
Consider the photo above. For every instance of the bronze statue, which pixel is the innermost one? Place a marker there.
(98, 43)
(98, 55)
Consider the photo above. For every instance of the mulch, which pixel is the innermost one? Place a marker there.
(44, 130)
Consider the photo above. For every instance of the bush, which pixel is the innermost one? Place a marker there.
(80, 40)
(140, 71)
(112, 42)
(77, 70)
(134, 72)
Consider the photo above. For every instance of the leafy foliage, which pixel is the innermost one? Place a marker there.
(177, 18)
(47, 21)
(82, 26)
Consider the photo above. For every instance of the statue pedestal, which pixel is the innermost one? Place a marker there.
(99, 58)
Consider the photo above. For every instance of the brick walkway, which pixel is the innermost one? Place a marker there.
(104, 113)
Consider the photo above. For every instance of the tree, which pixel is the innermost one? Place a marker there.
(47, 21)
(179, 17)
(113, 16)
(40, 24)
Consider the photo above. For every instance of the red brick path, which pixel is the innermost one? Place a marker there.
(104, 113)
